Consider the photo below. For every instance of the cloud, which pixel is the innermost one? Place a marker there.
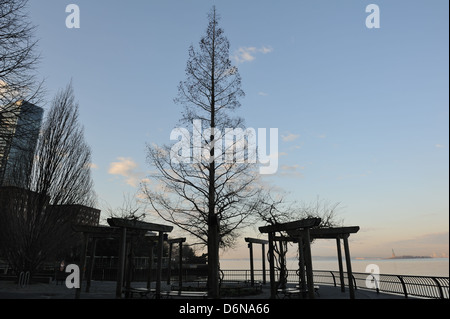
(93, 166)
(291, 170)
(127, 168)
(247, 54)
(290, 137)
(439, 146)
(262, 93)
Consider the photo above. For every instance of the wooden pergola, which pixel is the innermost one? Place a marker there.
(180, 242)
(337, 233)
(263, 243)
(303, 224)
(303, 232)
(124, 230)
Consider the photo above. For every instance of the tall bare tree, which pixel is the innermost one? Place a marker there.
(35, 223)
(207, 196)
(61, 168)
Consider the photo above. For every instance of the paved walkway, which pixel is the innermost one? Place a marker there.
(106, 290)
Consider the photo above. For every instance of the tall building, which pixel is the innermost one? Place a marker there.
(19, 131)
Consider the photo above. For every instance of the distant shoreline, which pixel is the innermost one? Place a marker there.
(353, 258)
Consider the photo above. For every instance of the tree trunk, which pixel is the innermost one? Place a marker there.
(213, 258)
(213, 222)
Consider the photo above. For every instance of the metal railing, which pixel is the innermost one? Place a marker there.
(406, 285)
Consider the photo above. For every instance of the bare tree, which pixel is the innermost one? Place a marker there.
(207, 196)
(19, 89)
(17, 52)
(36, 222)
(61, 167)
(131, 209)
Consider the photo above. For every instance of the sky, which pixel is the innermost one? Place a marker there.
(362, 113)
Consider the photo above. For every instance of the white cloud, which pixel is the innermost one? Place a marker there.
(247, 54)
(262, 93)
(93, 166)
(291, 170)
(127, 168)
(439, 146)
(290, 137)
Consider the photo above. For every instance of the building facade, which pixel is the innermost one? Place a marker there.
(19, 132)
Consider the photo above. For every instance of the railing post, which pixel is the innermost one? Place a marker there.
(403, 285)
(334, 279)
(377, 285)
(441, 293)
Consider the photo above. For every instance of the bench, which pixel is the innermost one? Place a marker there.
(184, 294)
(289, 292)
(142, 292)
(316, 289)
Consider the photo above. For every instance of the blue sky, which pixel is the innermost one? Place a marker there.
(362, 113)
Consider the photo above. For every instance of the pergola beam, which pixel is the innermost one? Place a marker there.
(176, 240)
(256, 241)
(326, 233)
(303, 223)
(136, 224)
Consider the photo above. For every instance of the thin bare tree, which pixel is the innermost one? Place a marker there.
(207, 196)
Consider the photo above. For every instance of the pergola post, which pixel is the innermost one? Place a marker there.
(308, 262)
(349, 268)
(91, 264)
(82, 264)
(273, 287)
(301, 264)
(252, 270)
(150, 264)
(169, 264)
(159, 264)
(121, 266)
(263, 263)
(341, 269)
(180, 266)
(129, 268)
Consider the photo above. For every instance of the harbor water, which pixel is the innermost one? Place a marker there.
(438, 267)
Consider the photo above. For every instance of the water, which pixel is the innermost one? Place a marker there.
(416, 267)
